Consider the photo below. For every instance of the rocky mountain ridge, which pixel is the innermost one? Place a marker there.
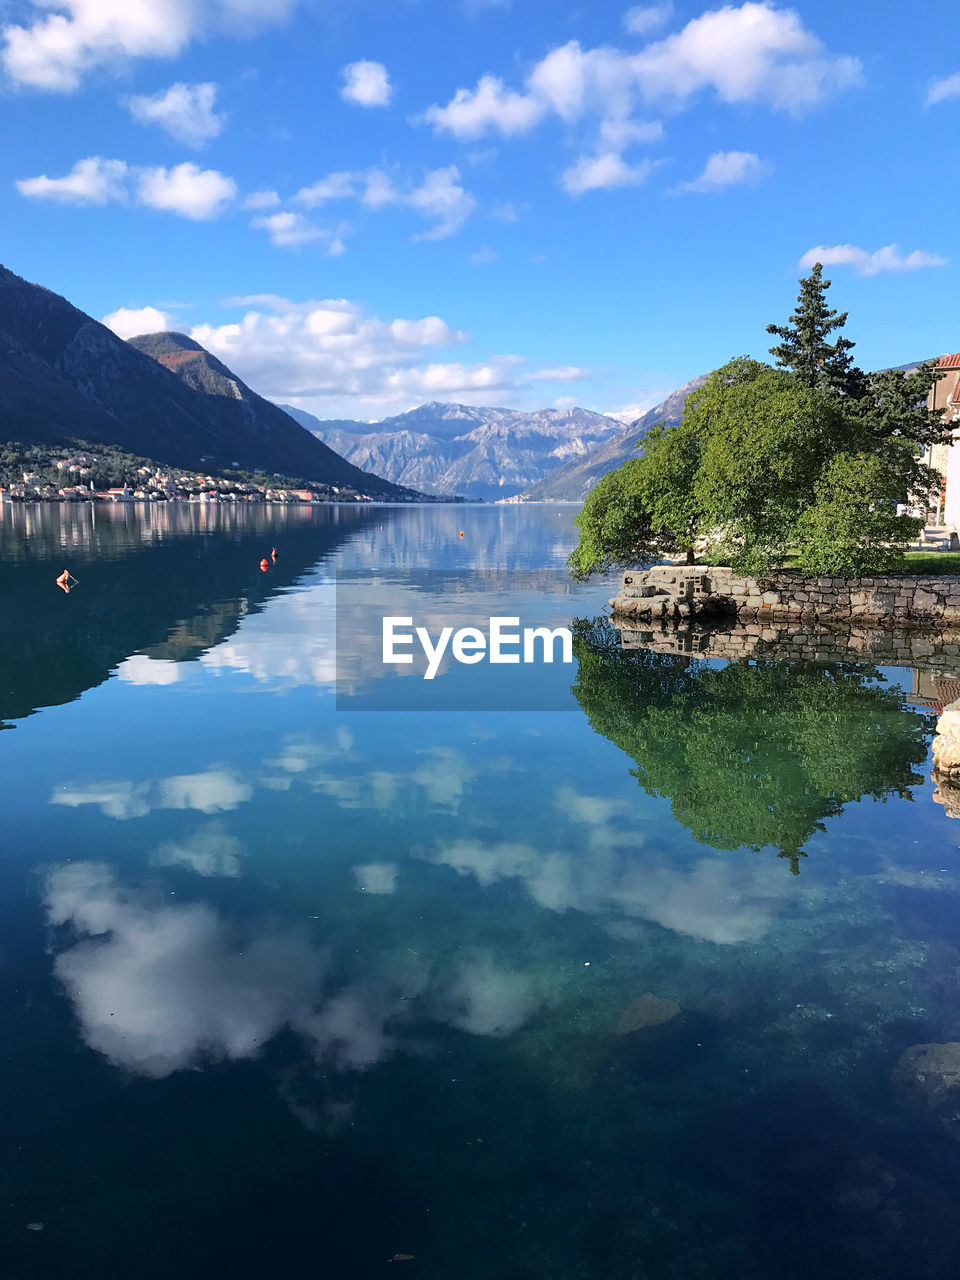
(573, 481)
(482, 453)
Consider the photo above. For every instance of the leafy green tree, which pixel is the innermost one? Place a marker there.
(852, 527)
(614, 524)
(893, 406)
(805, 347)
(813, 455)
(766, 435)
(751, 755)
(646, 509)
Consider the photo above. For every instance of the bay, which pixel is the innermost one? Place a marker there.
(627, 986)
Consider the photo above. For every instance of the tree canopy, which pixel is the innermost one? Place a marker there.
(811, 457)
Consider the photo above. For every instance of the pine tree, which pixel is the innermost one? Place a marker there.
(805, 348)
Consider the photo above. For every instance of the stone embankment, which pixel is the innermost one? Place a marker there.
(703, 591)
(935, 653)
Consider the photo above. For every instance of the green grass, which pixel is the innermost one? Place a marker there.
(917, 562)
(933, 562)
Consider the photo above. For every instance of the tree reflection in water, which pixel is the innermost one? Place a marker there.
(749, 754)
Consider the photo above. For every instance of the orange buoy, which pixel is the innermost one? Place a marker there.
(264, 565)
(63, 581)
(273, 555)
(461, 533)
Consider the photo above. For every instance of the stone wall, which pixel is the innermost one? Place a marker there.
(684, 591)
(936, 654)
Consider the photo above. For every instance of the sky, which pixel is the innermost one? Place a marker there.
(362, 206)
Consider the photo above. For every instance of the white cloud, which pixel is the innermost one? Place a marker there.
(211, 791)
(120, 800)
(558, 373)
(376, 877)
(489, 108)
(91, 181)
(210, 851)
(483, 256)
(889, 258)
(603, 173)
(157, 989)
(262, 200)
(185, 111)
(159, 986)
(440, 197)
(319, 353)
(721, 900)
(485, 999)
(187, 190)
(646, 17)
(727, 169)
(320, 348)
(129, 322)
(366, 84)
(619, 134)
(944, 89)
(57, 49)
(629, 413)
(293, 230)
(336, 186)
(752, 53)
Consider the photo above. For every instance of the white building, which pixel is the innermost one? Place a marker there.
(945, 458)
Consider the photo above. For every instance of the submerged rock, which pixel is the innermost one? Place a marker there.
(646, 1011)
(933, 1072)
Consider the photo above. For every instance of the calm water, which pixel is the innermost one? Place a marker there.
(527, 994)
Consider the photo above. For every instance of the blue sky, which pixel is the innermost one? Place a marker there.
(362, 206)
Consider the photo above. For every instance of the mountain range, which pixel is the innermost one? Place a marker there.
(482, 453)
(574, 480)
(65, 377)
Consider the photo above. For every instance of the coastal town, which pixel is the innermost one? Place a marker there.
(74, 478)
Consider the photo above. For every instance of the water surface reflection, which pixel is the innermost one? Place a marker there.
(751, 754)
(290, 990)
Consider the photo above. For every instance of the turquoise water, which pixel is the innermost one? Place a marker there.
(615, 989)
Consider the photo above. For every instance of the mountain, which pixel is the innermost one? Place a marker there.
(455, 448)
(573, 481)
(65, 377)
